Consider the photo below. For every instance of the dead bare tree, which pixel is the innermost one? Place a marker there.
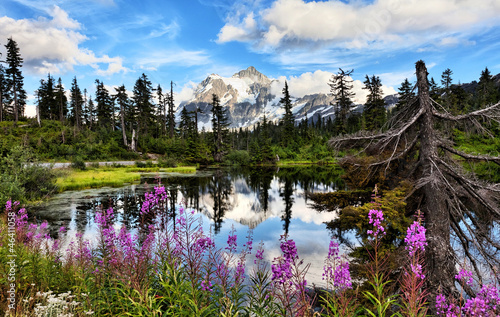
(461, 212)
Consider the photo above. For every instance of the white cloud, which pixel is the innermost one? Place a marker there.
(244, 31)
(317, 82)
(174, 56)
(171, 30)
(53, 45)
(186, 93)
(359, 24)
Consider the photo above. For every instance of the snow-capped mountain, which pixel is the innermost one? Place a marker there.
(248, 95)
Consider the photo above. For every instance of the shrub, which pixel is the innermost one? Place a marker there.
(78, 163)
(240, 157)
(167, 162)
(22, 178)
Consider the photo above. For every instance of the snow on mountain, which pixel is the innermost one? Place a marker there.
(248, 95)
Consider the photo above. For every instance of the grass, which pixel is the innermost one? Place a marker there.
(304, 162)
(94, 178)
(180, 169)
(71, 179)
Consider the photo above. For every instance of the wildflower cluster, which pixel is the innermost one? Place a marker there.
(465, 276)
(282, 266)
(486, 302)
(171, 264)
(153, 200)
(415, 238)
(336, 270)
(375, 218)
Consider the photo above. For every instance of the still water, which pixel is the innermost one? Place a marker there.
(269, 201)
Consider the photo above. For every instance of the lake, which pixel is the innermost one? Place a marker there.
(269, 201)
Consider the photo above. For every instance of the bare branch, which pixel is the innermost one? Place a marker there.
(393, 157)
(489, 113)
(471, 157)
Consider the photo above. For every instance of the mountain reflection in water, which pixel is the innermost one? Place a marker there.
(270, 201)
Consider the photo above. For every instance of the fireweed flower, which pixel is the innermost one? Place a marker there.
(445, 309)
(475, 307)
(417, 269)
(441, 304)
(206, 285)
(231, 241)
(336, 271)
(465, 276)
(153, 200)
(491, 295)
(282, 268)
(415, 238)
(282, 271)
(259, 255)
(375, 218)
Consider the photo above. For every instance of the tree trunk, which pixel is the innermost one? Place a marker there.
(133, 144)
(439, 265)
(16, 115)
(122, 119)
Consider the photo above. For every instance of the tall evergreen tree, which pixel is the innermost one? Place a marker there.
(104, 106)
(266, 152)
(405, 94)
(341, 89)
(162, 107)
(47, 98)
(15, 79)
(124, 104)
(288, 120)
(143, 100)
(433, 89)
(90, 110)
(61, 102)
(186, 124)
(487, 93)
(220, 130)
(76, 103)
(446, 79)
(374, 112)
(171, 113)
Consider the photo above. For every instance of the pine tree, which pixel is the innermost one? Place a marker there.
(90, 110)
(374, 112)
(288, 120)
(46, 98)
(405, 94)
(162, 105)
(15, 80)
(266, 152)
(189, 136)
(220, 130)
(61, 101)
(487, 94)
(143, 100)
(186, 123)
(171, 113)
(104, 106)
(124, 104)
(76, 103)
(341, 89)
(433, 89)
(446, 79)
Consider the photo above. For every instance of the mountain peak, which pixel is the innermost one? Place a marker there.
(252, 74)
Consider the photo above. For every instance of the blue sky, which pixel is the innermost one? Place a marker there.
(304, 41)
